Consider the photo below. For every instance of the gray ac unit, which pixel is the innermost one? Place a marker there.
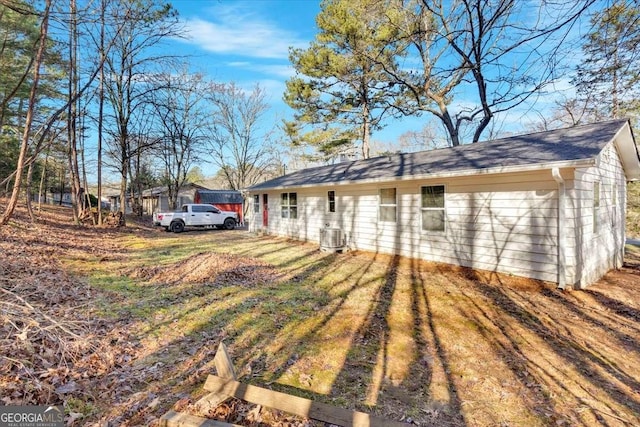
(332, 239)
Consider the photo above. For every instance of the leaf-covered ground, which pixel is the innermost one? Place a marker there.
(121, 325)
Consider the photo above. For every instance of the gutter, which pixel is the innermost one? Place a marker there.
(438, 175)
(562, 239)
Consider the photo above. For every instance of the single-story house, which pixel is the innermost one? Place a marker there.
(548, 205)
(226, 200)
(64, 199)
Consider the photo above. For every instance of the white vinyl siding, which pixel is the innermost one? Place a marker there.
(495, 222)
(504, 222)
(596, 252)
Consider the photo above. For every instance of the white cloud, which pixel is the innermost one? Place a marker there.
(276, 70)
(273, 88)
(564, 87)
(238, 64)
(284, 71)
(243, 36)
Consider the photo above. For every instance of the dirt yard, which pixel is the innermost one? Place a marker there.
(121, 325)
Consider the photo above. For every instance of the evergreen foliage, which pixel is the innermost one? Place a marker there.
(340, 90)
(608, 79)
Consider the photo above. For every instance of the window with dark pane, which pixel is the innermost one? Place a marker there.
(388, 205)
(331, 201)
(432, 207)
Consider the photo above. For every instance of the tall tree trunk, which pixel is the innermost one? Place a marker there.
(615, 102)
(13, 201)
(74, 169)
(28, 192)
(132, 189)
(42, 181)
(86, 202)
(63, 176)
(138, 182)
(123, 188)
(366, 131)
(101, 110)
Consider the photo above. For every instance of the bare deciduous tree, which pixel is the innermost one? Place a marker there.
(181, 119)
(239, 144)
(480, 58)
(129, 70)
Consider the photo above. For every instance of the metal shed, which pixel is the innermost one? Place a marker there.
(226, 200)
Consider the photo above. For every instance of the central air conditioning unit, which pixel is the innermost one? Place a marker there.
(332, 239)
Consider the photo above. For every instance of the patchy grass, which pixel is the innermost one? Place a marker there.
(400, 338)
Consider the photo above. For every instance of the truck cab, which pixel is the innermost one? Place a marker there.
(196, 215)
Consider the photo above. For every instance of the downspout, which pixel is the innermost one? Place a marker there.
(562, 239)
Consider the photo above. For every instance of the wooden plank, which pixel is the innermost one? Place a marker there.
(295, 405)
(211, 400)
(224, 368)
(176, 419)
(223, 363)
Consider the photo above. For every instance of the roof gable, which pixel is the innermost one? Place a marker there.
(563, 147)
(628, 151)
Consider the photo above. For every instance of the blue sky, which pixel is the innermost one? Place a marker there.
(247, 42)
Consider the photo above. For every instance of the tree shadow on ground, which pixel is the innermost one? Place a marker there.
(560, 345)
(402, 339)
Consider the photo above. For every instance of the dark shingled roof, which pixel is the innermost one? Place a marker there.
(563, 145)
(220, 196)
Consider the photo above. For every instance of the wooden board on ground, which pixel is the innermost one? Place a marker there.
(223, 364)
(224, 368)
(177, 419)
(224, 386)
(295, 405)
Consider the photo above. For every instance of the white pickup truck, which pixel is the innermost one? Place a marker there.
(196, 215)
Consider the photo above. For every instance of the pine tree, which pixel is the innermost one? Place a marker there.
(608, 79)
(340, 88)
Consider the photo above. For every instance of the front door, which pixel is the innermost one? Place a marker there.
(265, 210)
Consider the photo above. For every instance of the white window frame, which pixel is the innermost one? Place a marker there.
(443, 209)
(388, 205)
(256, 203)
(286, 208)
(329, 201)
(597, 196)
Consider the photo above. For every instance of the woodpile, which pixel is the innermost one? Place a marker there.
(114, 219)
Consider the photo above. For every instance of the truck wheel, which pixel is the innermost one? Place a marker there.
(229, 223)
(177, 227)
